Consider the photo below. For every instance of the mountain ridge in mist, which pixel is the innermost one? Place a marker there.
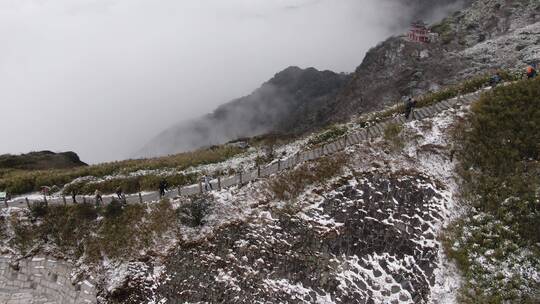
(290, 102)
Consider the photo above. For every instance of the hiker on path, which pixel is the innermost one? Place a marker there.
(207, 184)
(120, 193)
(531, 72)
(163, 186)
(495, 80)
(409, 105)
(74, 196)
(99, 197)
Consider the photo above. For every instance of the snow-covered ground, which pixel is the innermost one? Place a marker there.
(371, 166)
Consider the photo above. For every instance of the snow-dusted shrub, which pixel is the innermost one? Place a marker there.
(193, 213)
(291, 183)
(496, 244)
(392, 136)
(334, 132)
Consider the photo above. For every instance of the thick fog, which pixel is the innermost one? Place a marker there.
(102, 77)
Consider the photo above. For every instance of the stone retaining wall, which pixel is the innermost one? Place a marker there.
(41, 280)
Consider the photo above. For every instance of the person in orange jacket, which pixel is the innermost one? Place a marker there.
(531, 72)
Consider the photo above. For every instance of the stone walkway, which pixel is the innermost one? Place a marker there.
(339, 144)
(41, 280)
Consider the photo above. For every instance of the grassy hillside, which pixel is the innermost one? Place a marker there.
(24, 181)
(497, 244)
(41, 161)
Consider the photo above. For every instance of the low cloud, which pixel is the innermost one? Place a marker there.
(101, 77)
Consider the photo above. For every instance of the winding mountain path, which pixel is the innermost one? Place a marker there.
(353, 138)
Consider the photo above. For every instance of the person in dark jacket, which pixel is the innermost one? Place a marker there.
(99, 197)
(74, 196)
(495, 80)
(163, 185)
(207, 184)
(409, 106)
(120, 193)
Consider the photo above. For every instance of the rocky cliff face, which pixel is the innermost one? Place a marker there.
(296, 101)
(490, 34)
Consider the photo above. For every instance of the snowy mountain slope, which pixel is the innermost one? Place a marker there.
(368, 235)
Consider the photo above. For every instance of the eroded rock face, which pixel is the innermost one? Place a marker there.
(370, 239)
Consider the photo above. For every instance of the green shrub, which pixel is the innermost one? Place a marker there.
(292, 183)
(392, 136)
(333, 132)
(114, 209)
(39, 209)
(193, 213)
(498, 147)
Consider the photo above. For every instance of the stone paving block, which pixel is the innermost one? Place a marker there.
(380, 127)
(356, 138)
(373, 132)
(440, 107)
(362, 135)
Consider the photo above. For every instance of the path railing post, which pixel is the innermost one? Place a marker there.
(219, 182)
(64, 199)
(27, 202)
(5, 202)
(258, 171)
(45, 200)
(240, 176)
(140, 198)
(279, 164)
(200, 187)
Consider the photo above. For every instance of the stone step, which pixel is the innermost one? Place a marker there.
(445, 104)
(375, 132)
(418, 114)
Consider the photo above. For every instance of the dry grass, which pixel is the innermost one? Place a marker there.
(290, 184)
(19, 182)
(83, 231)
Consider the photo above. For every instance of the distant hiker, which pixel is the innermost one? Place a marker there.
(409, 105)
(207, 184)
(99, 198)
(163, 186)
(120, 193)
(74, 196)
(531, 72)
(45, 190)
(495, 80)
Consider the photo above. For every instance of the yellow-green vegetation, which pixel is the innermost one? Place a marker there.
(290, 184)
(18, 182)
(115, 231)
(445, 30)
(327, 135)
(497, 244)
(392, 136)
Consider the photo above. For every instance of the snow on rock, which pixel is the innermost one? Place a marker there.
(370, 234)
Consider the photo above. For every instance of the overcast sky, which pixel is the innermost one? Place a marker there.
(101, 77)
